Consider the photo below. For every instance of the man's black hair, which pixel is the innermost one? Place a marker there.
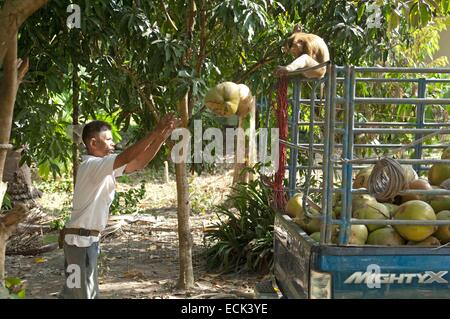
(93, 128)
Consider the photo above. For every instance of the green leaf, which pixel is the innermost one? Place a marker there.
(445, 6)
(12, 281)
(361, 10)
(424, 13)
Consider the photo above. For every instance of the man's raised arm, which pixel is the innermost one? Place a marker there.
(145, 149)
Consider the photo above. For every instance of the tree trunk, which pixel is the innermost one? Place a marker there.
(186, 279)
(12, 15)
(75, 120)
(8, 90)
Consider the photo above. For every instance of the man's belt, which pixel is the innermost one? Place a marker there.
(75, 231)
(80, 232)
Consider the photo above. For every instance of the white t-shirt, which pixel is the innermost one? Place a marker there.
(94, 193)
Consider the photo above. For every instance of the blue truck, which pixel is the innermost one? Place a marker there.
(307, 268)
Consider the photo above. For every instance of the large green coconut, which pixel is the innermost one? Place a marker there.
(443, 232)
(223, 99)
(359, 234)
(312, 225)
(361, 200)
(315, 236)
(440, 202)
(386, 236)
(372, 211)
(438, 173)
(430, 241)
(294, 207)
(419, 184)
(415, 210)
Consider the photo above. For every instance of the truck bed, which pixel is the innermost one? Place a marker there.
(404, 271)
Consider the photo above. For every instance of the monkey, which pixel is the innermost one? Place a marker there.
(309, 50)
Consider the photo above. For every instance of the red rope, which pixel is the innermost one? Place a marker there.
(282, 120)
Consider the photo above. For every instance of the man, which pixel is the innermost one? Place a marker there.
(93, 194)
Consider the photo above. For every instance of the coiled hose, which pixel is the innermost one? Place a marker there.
(387, 179)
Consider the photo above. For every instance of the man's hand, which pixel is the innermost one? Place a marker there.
(167, 124)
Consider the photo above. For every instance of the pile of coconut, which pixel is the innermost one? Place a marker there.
(405, 207)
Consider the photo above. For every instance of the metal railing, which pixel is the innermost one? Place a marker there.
(339, 157)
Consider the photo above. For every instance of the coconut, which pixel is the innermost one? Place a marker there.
(392, 208)
(386, 236)
(415, 210)
(223, 99)
(430, 241)
(246, 100)
(294, 207)
(372, 211)
(438, 173)
(315, 236)
(440, 203)
(421, 184)
(443, 232)
(362, 178)
(359, 234)
(312, 225)
(360, 200)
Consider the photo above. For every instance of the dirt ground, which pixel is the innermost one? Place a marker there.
(140, 260)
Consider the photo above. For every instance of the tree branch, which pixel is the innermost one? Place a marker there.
(148, 100)
(203, 38)
(254, 68)
(22, 69)
(163, 5)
